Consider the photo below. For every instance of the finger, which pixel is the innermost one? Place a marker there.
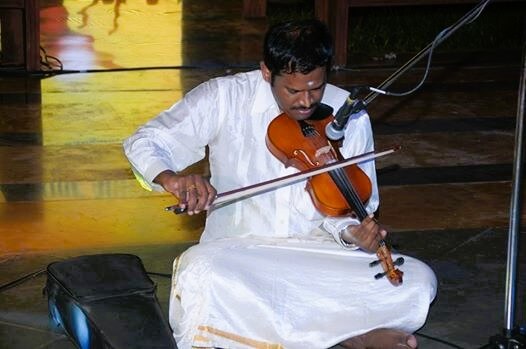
(370, 235)
(371, 241)
(211, 194)
(383, 233)
(374, 227)
(206, 193)
(175, 187)
(192, 198)
(370, 221)
(360, 236)
(203, 194)
(369, 226)
(186, 189)
(380, 232)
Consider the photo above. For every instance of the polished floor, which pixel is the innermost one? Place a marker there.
(66, 189)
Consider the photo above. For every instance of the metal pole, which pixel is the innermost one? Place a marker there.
(515, 206)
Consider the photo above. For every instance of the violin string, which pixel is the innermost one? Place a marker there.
(349, 192)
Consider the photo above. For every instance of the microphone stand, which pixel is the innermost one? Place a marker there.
(468, 17)
(514, 337)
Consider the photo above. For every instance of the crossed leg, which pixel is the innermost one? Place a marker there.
(381, 338)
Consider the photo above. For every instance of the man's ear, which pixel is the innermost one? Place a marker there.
(267, 75)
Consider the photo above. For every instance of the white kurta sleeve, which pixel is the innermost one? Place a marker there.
(177, 137)
(358, 140)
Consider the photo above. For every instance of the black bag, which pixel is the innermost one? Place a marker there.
(107, 301)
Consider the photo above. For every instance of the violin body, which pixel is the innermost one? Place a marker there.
(303, 145)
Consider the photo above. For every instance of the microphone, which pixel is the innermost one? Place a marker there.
(334, 129)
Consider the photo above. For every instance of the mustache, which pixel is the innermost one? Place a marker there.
(313, 106)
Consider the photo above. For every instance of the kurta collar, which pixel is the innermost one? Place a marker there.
(264, 99)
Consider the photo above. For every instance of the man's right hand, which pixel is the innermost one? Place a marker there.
(194, 192)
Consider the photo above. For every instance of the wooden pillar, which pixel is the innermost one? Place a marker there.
(340, 31)
(32, 33)
(254, 8)
(321, 10)
(20, 21)
(335, 13)
(12, 34)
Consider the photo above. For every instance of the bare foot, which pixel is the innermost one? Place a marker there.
(382, 338)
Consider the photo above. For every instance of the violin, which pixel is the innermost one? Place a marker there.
(342, 191)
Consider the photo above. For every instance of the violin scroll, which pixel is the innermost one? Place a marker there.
(394, 275)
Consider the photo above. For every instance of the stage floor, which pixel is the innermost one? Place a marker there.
(66, 188)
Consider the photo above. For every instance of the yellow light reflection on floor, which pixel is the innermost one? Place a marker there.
(59, 225)
(106, 107)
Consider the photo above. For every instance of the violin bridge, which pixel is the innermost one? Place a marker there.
(323, 150)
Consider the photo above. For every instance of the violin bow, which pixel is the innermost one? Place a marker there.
(259, 188)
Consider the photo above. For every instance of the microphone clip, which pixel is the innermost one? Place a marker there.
(335, 129)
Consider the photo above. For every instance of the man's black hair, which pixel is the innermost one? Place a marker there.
(297, 46)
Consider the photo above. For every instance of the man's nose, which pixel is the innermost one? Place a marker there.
(306, 99)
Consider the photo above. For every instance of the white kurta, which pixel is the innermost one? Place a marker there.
(264, 273)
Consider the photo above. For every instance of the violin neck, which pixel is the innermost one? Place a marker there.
(349, 193)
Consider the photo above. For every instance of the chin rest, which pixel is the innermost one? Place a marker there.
(107, 301)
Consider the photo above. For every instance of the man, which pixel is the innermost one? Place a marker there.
(270, 271)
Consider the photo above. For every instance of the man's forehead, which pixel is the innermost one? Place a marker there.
(296, 80)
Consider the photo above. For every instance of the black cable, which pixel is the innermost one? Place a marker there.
(159, 274)
(44, 61)
(18, 281)
(25, 278)
(438, 340)
(53, 341)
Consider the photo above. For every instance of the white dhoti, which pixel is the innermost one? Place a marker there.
(256, 293)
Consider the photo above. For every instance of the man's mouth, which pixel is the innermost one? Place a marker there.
(305, 112)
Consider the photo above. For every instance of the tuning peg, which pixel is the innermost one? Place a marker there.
(399, 261)
(380, 275)
(373, 263)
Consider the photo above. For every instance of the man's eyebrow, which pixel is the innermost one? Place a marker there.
(319, 86)
(312, 88)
